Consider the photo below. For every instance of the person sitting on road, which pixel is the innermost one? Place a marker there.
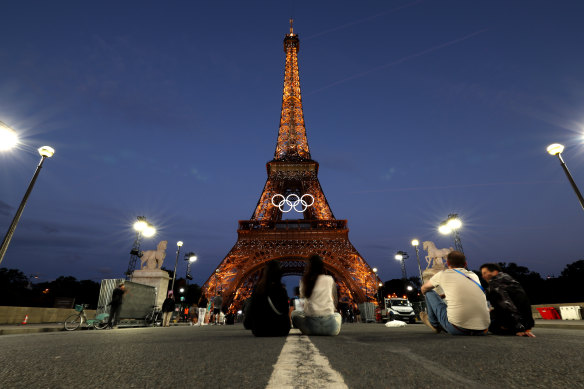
(511, 313)
(267, 310)
(464, 310)
(320, 299)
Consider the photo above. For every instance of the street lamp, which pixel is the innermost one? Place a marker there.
(557, 149)
(451, 225)
(379, 292)
(178, 246)
(416, 243)
(142, 228)
(402, 256)
(8, 137)
(216, 282)
(45, 152)
(190, 257)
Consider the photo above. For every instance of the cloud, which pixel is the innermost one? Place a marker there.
(195, 173)
(389, 174)
(5, 209)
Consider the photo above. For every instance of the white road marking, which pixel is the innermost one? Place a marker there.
(301, 365)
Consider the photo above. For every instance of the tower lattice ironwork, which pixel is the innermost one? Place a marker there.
(266, 236)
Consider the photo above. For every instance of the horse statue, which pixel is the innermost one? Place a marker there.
(154, 258)
(436, 257)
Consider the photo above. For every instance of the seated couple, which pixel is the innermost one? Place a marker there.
(464, 309)
(266, 313)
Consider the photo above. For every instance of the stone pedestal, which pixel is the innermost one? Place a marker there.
(156, 278)
(429, 273)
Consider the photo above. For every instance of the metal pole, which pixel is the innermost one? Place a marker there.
(419, 267)
(12, 227)
(174, 273)
(574, 186)
(403, 268)
(457, 242)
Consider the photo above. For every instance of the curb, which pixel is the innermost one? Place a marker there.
(19, 331)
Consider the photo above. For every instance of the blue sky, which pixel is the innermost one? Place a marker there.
(414, 110)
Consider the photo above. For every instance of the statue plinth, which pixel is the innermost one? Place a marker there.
(156, 278)
(429, 273)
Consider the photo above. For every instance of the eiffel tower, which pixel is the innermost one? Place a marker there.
(266, 236)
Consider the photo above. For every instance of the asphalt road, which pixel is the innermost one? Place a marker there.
(365, 355)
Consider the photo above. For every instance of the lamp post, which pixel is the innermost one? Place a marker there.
(374, 272)
(379, 295)
(416, 243)
(557, 149)
(451, 225)
(142, 228)
(190, 257)
(45, 152)
(178, 245)
(216, 276)
(402, 256)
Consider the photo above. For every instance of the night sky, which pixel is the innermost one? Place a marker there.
(170, 110)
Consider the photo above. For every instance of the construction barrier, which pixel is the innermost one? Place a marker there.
(571, 313)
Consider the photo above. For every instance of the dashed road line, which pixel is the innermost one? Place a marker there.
(300, 365)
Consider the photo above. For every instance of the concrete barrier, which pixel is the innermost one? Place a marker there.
(36, 315)
(536, 314)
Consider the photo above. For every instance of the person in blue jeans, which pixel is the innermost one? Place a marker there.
(320, 299)
(464, 310)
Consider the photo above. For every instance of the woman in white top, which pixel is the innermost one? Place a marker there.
(320, 299)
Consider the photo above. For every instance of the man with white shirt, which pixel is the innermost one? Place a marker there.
(464, 310)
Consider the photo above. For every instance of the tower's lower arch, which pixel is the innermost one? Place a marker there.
(235, 277)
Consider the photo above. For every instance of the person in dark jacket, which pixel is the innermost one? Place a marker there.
(267, 314)
(511, 313)
(167, 309)
(116, 305)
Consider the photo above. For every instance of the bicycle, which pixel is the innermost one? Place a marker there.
(154, 317)
(75, 320)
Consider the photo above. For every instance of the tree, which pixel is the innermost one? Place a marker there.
(533, 284)
(570, 282)
(574, 270)
(13, 287)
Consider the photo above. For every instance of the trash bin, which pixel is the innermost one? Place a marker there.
(571, 312)
(548, 313)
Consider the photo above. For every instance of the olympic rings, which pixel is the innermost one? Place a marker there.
(292, 201)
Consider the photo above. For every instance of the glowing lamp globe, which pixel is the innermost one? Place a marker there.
(179, 243)
(8, 137)
(454, 224)
(140, 225)
(444, 229)
(399, 257)
(46, 151)
(415, 242)
(555, 149)
(149, 231)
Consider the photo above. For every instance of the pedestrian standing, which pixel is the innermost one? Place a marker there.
(202, 311)
(217, 303)
(167, 309)
(116, 305)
